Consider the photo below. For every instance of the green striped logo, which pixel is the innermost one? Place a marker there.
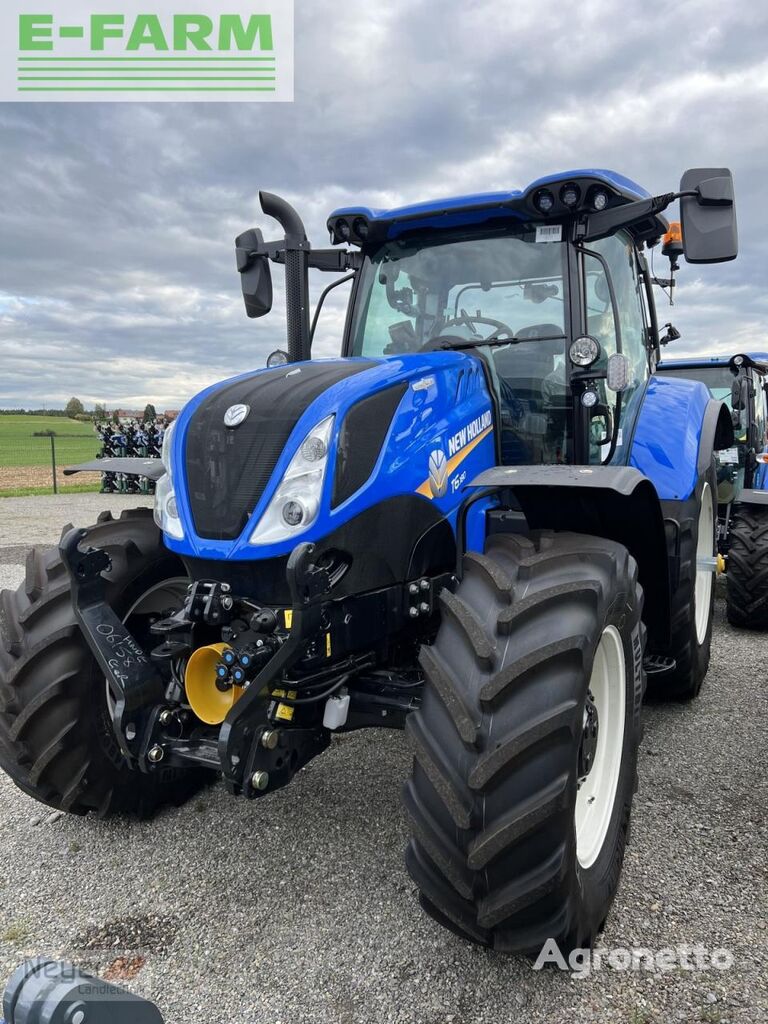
(122, 53)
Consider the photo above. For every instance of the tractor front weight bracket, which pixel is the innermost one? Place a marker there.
(133, 680)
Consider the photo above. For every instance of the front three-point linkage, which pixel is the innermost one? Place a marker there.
(260, 746)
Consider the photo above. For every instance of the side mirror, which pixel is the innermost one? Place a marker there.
(255, 273)
(710, 234)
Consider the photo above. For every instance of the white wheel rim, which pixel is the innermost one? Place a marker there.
(597, 793)
(156, 599)
(705, 548)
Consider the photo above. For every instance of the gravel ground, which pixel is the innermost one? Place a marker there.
(298, 909)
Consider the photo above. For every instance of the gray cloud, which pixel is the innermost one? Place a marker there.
(116, 221)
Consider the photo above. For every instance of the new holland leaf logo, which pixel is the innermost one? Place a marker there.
(243, 53)
(438, 473)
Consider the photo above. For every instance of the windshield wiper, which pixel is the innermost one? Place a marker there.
(462, 343)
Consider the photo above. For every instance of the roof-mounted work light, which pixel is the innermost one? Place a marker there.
(544, 201)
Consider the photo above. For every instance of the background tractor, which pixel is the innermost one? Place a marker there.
(487, 521)
(742, 477)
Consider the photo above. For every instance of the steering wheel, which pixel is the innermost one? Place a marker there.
(465, 320)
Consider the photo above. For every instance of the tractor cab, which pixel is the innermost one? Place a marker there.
(561, 319)
(547, 287)
(740, 381)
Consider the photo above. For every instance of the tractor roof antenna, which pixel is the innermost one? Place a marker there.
(297, 248)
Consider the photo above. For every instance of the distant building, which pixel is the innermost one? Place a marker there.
(125, 415)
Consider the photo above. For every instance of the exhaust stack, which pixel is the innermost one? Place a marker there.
(297, 249)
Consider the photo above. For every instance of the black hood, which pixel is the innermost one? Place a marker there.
(227, 469)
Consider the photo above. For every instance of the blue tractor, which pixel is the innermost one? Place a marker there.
(488, 521)
(740, 381)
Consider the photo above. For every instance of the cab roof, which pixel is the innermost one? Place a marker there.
(364, 223)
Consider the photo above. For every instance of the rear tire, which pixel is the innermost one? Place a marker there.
(693, 612)
(747, 576)
(499, 852)
(56, 736)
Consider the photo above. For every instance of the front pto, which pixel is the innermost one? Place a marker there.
(253, 692)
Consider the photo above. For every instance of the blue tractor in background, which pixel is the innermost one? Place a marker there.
(740, 381)
(487, 520)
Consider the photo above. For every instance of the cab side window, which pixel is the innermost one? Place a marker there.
(620, 329)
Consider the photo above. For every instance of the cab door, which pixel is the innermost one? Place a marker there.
(614, 315)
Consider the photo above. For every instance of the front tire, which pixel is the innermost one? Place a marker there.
(502, 852)
(56, 736)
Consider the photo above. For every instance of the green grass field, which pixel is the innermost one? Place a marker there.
(25, 460)
(18, 446)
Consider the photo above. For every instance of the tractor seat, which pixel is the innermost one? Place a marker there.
(539, 331)
(524, 367)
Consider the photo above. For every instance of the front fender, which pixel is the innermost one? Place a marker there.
(616, 502)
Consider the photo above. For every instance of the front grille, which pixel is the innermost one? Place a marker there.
(228, 469)
(360, 439)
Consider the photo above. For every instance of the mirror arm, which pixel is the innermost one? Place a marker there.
(335, 261)
(600, 225)
(329, 261)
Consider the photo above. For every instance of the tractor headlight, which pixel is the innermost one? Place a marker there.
(166, 510)
(584, 351)
(296, 503)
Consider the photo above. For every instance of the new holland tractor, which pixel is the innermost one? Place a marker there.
(486, 521)
(742, 478)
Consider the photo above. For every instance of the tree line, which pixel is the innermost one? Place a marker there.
(75, 410)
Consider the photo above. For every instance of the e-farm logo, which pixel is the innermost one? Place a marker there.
(126, 51)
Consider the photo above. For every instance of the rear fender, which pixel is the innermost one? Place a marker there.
(678, 429)
(616, 502)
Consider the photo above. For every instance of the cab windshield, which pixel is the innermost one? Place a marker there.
(505, 295)
(412, 294)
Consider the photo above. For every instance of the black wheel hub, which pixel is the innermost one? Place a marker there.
(589, 735)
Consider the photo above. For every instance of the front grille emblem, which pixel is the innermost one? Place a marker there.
(235, 415)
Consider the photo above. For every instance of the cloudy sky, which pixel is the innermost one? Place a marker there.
(117, 221)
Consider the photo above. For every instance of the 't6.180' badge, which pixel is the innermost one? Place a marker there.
(438, 473)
